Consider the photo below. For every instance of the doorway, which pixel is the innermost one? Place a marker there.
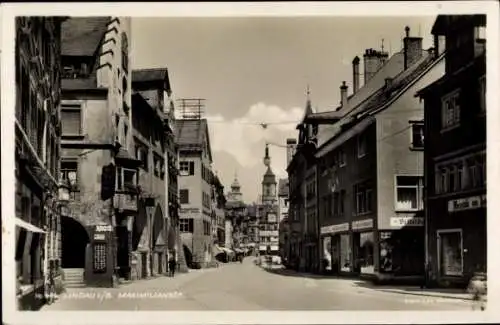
(123, 258)
(74, 240)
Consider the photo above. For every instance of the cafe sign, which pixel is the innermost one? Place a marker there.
(473, 202)
(334, 228)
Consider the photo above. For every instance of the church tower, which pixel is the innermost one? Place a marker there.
(235, 194)
(268, 181)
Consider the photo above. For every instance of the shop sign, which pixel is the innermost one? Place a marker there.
(407, 221)
(473, 202)
(362, 224)
(334, 228)
(189, 210)
(99, 236)
(103, 228)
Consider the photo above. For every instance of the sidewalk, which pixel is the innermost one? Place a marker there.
(445, 293)
(92, 298)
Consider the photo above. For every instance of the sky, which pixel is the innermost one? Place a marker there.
(252, 70)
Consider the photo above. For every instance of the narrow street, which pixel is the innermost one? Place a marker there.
(248, 287)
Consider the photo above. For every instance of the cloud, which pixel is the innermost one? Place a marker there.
(244, 139)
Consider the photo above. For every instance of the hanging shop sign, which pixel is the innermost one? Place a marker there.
(103, 228)
(407, 222)
(473, 202)
(362, 224)
(332, 229)
(99, 236)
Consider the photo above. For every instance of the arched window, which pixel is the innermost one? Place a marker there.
(125, 52)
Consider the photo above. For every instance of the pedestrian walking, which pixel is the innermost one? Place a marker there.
(172, 264)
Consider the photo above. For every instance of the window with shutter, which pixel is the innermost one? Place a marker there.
(71, 120)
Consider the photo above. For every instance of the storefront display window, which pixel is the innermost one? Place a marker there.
(366, 253)
(450, 250)
(402, 252)
(327, 256)
(345, 253)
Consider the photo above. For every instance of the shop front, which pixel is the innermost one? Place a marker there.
(401, 249)
(336, 248)
(458, 243)
(363, 247)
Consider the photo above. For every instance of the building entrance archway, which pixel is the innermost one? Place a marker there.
(74, 240)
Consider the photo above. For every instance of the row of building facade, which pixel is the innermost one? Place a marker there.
(109, 183)
(391, 184)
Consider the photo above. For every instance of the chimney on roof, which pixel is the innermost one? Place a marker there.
(412, 49)
(355, 74)
(343, 94)
(373, 61)
(291, 145)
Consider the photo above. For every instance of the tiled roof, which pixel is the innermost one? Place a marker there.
(81, 36)
(391, 68)
(283, 187)
(190, 132)
(153, 74)
(385, 95)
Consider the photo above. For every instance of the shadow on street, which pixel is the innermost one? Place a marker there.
(287, 272)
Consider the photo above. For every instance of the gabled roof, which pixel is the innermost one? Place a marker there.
(190, 133)
(81, 36)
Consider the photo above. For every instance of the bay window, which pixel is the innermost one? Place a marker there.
(126, 179)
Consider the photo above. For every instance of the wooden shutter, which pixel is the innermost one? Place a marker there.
(191, 168)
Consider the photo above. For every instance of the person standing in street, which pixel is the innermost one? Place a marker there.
(172, 263)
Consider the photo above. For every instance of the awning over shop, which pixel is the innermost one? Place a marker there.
(262, 247)
(274, 248)
(28, 226)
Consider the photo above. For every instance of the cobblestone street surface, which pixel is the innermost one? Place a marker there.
(247, 287)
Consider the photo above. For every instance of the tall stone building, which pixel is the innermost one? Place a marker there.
(97, 150)
(152, 122)
(235, 214)
(456, 153)
(37, 154)
(268, 211)
(195, 188)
